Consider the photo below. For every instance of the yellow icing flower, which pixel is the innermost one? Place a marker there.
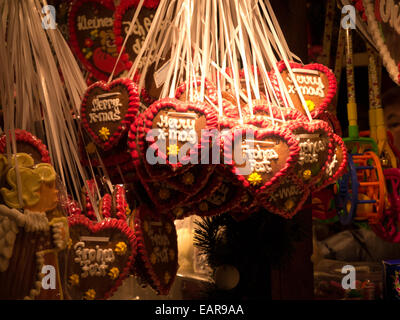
(90, 294)
(164, 194)
(90, 148)
(127, 211)
(289, 204)
(114, 273)
(69, 243)
(188, 178)
(104, 133)
(167, 277)
(310, 105)
(173, 150)
(203, 206)
(153, 258)
(74, 280)
(120, 248)
(255, 179)
(307, 174)
(178, 212)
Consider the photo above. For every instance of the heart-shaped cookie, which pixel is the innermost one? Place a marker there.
(27, 143)
(316, 149)
(176, 131)
(108, 109)
(260, 158)
(99, 258)
(317, 83)
(157, 249)
(382, 17)
(123, 17)
(286, 198)
(91, 24)
(337, 165)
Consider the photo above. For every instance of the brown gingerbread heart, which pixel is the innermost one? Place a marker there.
(157, 249)
(100, 256)
(108, 109)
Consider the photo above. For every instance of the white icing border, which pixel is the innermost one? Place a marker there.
(373, 28)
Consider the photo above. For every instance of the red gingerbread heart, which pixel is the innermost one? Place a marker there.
(260, 158)
(108, 110)
(99, 258)
(316, 82)
(92, 39)
(157, 249)
(174, 132)
(316, 147)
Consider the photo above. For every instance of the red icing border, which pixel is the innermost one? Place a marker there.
(332, 83)
(120, 202)
(110, 224)
(133, 108)
(25, 136)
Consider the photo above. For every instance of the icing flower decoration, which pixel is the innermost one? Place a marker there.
(104, 133)
(255, 179)
(94, 34)
(173, 150)
(203, 206)
(289, 204)
(164, 194)
(74, 280)
(178, 212)
(90, 148)
(127, 211)
(88, 42)
(114, 273)
(120, 248)
(307, 174)
(90, 294)
(167, 277)
(153, 258)
(188, 178)
(69, 243)
(310, 105)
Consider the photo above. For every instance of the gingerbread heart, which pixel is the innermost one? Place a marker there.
(27, 143)
(92, 39)
(108, 109)
(286, 198)
(157, 249)
(317, 83)
(316, 148)
(337, 165)
(123, 18)
(174, 132)
(99, 258)
(260, 158)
